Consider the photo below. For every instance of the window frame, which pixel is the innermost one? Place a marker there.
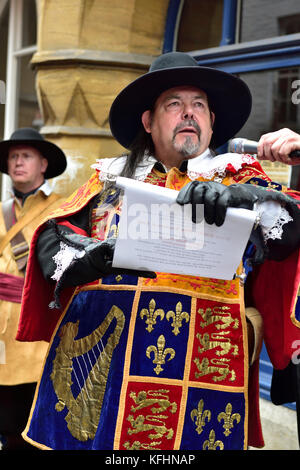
(233, 56)
(14, 52)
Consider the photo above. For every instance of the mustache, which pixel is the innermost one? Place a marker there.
(187, 123)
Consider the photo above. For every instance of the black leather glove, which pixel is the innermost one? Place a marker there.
(216, 197)
(95, 263)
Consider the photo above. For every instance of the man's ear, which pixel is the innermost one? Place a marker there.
(212, 119)
(146, 120)
(44, 165)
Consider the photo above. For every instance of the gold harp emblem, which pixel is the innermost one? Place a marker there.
(84, 410)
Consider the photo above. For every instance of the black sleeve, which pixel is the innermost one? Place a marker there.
(280, 249)
(48, 243)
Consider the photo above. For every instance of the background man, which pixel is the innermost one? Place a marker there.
(161, 362)
(28, 159)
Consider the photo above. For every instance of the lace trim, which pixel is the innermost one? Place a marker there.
(205, 165)
(272, 219)
(110, 168)
(277, 229)
(63, 259)
(219, 166)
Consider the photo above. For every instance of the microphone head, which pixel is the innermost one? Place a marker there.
(236, 145)
(240, 145)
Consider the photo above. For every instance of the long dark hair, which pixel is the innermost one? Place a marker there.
(141, 146)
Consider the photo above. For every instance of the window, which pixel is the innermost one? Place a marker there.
(266, 19)
(28, 113)
(289, 24)
(3, 42)
(18, 34)
(273, 108)
(200, 25)
(21, 102)
(285, 110)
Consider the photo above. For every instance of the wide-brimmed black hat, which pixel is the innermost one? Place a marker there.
(229, 97)
(57, 161)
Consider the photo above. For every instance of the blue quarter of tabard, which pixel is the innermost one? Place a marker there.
(214, 404)
(142, 364)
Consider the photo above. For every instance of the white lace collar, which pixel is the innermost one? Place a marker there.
(205, 165)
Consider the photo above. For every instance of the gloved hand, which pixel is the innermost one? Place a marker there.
(216, 197)
(95, 263)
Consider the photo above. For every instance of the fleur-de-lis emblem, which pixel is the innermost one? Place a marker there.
(160, 353)
(228, 418)
(200, 416)
(211, 443)
(152, 314)
(177, 316)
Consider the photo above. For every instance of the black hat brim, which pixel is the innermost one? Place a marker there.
(229, 98)
(57, 162)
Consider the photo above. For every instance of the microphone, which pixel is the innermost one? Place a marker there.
(240, 145)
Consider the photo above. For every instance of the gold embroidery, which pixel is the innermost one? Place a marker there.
(138, 425)
(228, 418)
(226, 346)
(137, 445)
(152, 314)
(151, 397)
(205, 368)
(177, 316)
(213, 315)
(154, 425)
(160, 353)
(211, 443)
(84, 410)
(200, 416)
(114, 231)
(216, 287)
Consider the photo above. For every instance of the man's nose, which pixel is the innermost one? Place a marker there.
(19, 160)
(187, 112)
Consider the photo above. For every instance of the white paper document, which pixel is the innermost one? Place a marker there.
(157, 234)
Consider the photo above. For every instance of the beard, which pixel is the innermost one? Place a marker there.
(189, 147)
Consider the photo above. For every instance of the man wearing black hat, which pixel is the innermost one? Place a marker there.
(161, 361)
(29, 160)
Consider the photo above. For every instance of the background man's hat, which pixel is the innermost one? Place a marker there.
(229, 97)
(57, 162)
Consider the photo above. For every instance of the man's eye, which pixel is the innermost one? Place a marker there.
(173, 103)
(199, 104)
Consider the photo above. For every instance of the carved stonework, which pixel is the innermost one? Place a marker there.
(87, 52)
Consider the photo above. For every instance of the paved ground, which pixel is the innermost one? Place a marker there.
(279, 427)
